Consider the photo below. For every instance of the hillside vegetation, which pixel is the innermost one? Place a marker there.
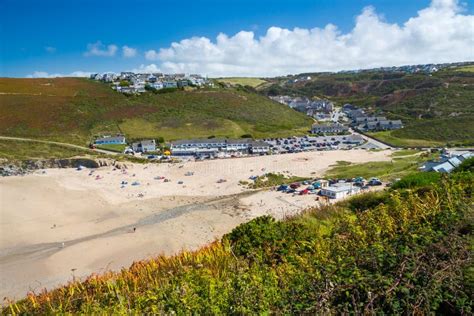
(22, 150)
(405, 251)
(243, 81)
(399, 166)
(436, 109)
(73, 110)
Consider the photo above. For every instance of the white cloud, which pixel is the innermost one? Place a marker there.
(99, 49)
(438, 33)
(44, 74)
(151, 55)
(129, 51)
(50, 49)
(151, 68)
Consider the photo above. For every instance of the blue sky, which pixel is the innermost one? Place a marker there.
(53, 36)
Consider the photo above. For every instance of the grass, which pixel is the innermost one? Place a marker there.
(273, 179)
(400, 253)
(243, 81)
(23, 150)
(385, 170)
(466, 68)
(388, 137)
(181, 129)
(113, 147)
(405, 152)
(74, 110)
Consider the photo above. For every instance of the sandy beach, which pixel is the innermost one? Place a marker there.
(62, 223)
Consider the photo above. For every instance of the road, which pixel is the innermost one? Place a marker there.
(107, 152)
(372, 143)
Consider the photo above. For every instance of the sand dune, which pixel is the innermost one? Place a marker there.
(64, 223)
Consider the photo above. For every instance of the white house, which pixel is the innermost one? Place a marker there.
(144, 146)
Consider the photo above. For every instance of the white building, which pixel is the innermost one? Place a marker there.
(144, 146)
(339, 191)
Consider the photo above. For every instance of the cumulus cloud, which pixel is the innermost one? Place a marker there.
(439, 33)
(50, 49)
(151, 55)
(128, 51)
(147, 69)
(99, 49)
(44, 74)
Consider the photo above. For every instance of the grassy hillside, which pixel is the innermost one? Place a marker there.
(398, 252)
(243, 81)
(73, 110)
(23, 150)
(434, 108)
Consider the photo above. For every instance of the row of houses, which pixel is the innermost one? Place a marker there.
(445, 163)
(363, 122)
(218, 146)
(334, 128)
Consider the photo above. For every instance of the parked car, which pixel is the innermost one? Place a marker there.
(295, 185)
(375, 182)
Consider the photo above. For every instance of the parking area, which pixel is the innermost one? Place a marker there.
(310, 143)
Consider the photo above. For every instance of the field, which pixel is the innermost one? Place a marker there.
(22, 150)
(74, 110)
(466, 68)
(405, 152)
(243, 81)
(400, 166)
(113, 147)
(388, 137)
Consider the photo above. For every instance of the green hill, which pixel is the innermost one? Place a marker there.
(73, 110)
(406, 251)
(435, 108)
(243, 81)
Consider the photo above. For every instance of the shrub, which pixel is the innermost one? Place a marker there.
(417, 180)
(265, 240)
(367, 201)
(466, 166)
